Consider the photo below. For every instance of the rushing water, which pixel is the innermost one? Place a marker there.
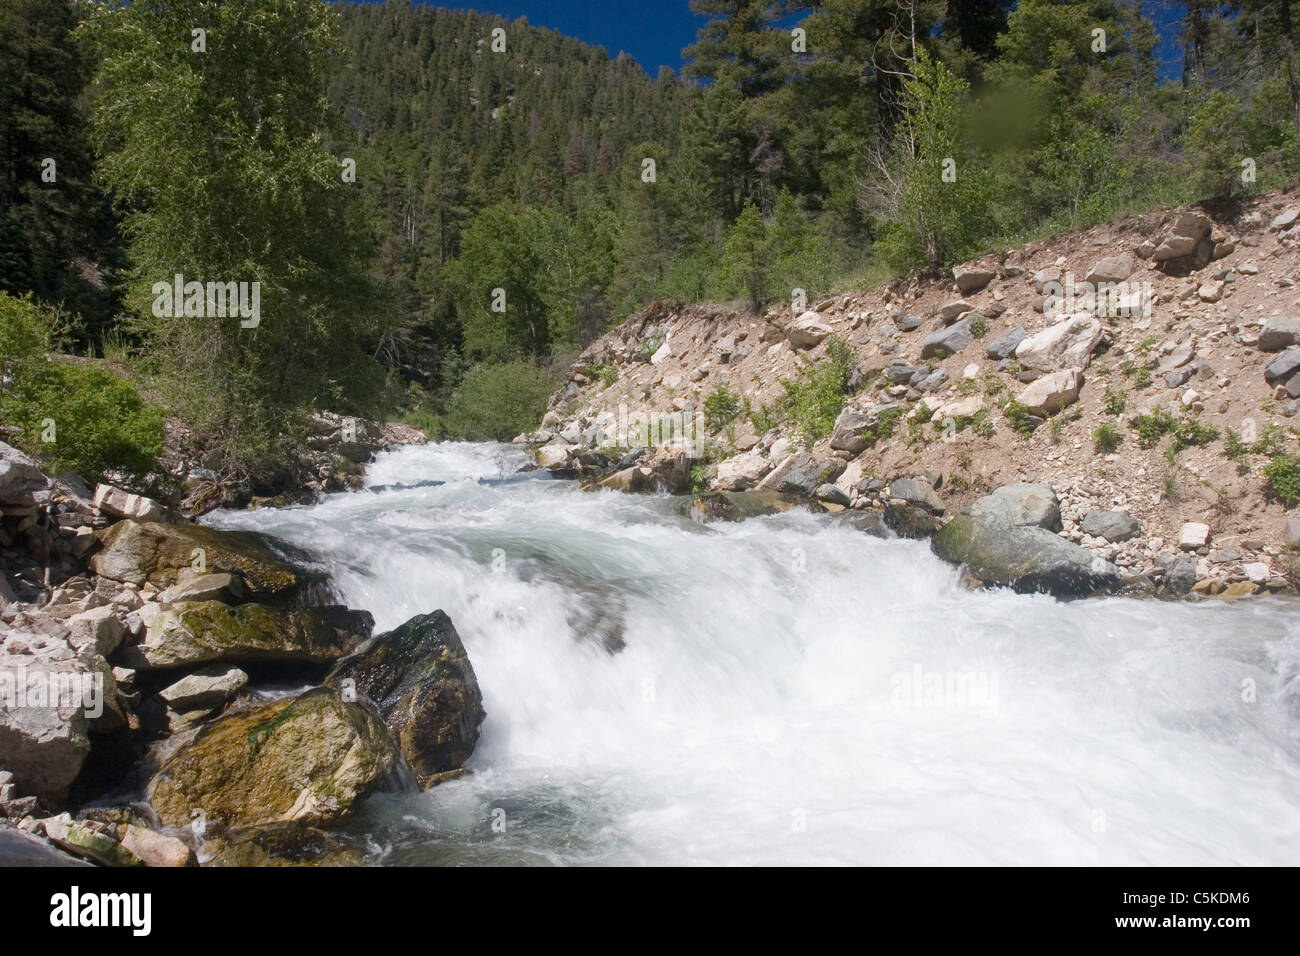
(795, 691)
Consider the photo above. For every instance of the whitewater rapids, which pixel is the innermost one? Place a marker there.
(794, 691)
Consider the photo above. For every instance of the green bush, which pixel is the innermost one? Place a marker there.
(1283, 477)
(886, 420)
(498, 401)
(1114, 400)
(427, 421)
(978, 325)
(82, 418)
(815, 402)
(721, 407)
(1191, 432)
(1152, 427)
(1017, 414)
(1106, 437)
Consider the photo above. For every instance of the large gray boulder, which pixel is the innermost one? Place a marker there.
(420, 678)
(948, 341)
(1279, 332)
(1004, 543)
(1111, 525)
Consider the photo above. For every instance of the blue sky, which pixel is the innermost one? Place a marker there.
(654, 31)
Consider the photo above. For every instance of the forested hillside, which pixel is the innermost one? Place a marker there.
(437, 203)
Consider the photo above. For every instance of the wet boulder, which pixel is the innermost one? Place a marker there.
(309, 759)
(422, 682)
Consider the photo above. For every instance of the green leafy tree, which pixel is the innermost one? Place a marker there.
(216, 158)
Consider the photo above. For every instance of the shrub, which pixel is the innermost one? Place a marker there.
(1114, 400)
(427, 421)
(815, 402)
(1153, 426)
(1191, 432)
(1283, 477)
(1017, 414)
(96, 419)
(886, 420)
(1106, 437)
(498, 401)
(721, 407)
(978, 325)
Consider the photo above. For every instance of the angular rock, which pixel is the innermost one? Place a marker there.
(1025, 558)
(1279, 332)
(1023, 503)
(154, 553)
(741, 472)
(310, 758)
(1111, 269)
(1184, 238)
(950, 312)
(1067, 344)
(947, 341)
(1283, 367)
(1052, 392)
(199, 632)
(807, 331)
(1114, 526)
(847, 433)
(117, 503)
(972, 278)
(801, 474)
(1004, 346)
(555, 455)
(156, 849)
(204, 689)
(1193, 535)
(917, 493)
(421, 679)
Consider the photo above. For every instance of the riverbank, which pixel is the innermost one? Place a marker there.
(1161, 415)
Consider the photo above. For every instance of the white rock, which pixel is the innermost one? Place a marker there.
(1193, 535)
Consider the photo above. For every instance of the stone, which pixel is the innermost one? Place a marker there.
(154, 553)
(1052, 392)
(947, 341)
(90, 841)
(207, 688)
(1211, 291)
(1025, 558)
(20, 476)
(309, 758)
(1177, 358)
(1111, 269)
(421, 680)
(907, 323)
(199, 632)
(972, 278)
(1279, 332)
(1256, 572)
(116, 503)
(917, 493)
(900, 373)
(931, 382)
(156, 849)
(634, 479)
(1114, 526)
(1285, 219)
(19, 848)
(1004, 346)
(807, 331)
(801, 474)
(1067, 344)
(99, 627)
(1180, 574)
(950, 312)
(741, 472)
(1193, 535)
(1188, 231)
(847, 433)
(831, 494)
(1022, 503)
(555, 456)
(1292, 532)
(1283, 367)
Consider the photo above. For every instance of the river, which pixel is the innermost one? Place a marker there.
(793, 691)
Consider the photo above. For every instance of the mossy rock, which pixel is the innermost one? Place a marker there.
(741, 505)
(308, 759)
(420, 678)
(1025, 558)
(281, 844)
(197, 632)
(140, 552)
